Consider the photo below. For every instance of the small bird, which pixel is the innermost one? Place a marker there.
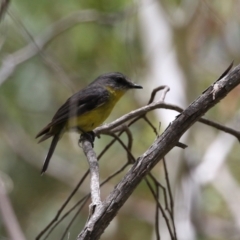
(86, 109)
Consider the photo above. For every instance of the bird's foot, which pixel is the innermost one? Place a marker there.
(90, 136)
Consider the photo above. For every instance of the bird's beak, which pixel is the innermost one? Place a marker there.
(133, 85)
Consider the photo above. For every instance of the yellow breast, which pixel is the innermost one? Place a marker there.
(92, 119)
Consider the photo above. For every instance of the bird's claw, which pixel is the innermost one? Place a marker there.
(90, 136)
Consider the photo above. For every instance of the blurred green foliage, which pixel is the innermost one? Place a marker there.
(36, 88)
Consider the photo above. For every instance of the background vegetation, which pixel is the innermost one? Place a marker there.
(50, 49)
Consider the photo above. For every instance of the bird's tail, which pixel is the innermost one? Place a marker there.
(50, 152)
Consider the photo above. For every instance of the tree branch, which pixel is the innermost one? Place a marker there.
(95, 182)
(161, 146)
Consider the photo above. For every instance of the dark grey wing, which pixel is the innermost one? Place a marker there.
(80, 103)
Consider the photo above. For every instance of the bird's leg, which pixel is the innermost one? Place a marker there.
(90, 136)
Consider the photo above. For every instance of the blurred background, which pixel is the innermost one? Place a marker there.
(51, 49)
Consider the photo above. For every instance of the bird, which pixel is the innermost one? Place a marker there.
(86, 109)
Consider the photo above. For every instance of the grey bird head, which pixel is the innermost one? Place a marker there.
(116, 80)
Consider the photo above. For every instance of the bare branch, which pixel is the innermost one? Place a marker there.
(155, 105)
(94, 171)
(154, 92)
(136, 113)
(157, 151)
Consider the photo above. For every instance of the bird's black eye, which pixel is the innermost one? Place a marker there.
(121, 81)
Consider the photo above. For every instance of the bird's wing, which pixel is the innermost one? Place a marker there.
(80, 103)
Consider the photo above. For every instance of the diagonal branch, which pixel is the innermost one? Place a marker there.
(161, 146)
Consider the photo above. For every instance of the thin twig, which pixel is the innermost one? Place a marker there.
(151, 125)
(82, 200)
(157, 216)
(137, 114)
(63, 206)
(161, 209)
(157, 183)
(123, 145)
(157, 89)
(170, 196)
(73, 219)
(129, 145)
